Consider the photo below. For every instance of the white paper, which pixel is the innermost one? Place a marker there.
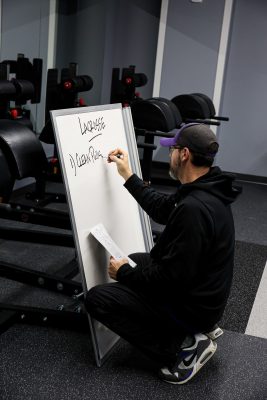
(101, 234)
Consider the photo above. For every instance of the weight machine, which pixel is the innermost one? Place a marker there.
(22, 155)
(61, 93)
(20, 82)
(123, 85)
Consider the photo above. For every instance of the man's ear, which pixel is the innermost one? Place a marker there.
(185, 154)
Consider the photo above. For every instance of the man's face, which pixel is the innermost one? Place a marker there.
(175, 162)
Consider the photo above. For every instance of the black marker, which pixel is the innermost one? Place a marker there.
(117, 155)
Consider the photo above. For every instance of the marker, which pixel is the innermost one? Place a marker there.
(117, 155)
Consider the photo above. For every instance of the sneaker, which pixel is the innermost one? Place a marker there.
(189, 361)
(215, 332)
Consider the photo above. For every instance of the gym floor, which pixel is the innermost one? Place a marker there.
(41, 362)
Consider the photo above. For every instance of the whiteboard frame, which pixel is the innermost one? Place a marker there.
(103, 340)
(134, 156)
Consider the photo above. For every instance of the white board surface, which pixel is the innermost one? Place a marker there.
(95, 190)
(96, 195)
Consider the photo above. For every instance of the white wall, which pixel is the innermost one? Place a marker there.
(190, 58)
(243, 141)
(191, 48)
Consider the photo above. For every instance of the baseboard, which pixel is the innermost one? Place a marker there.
(160, 171)
(251, 178)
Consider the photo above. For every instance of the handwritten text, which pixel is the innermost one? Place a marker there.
(92, 126)
(79, 160)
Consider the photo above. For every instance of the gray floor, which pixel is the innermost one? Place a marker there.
(250, 213)
(39, 362)
(58, 365)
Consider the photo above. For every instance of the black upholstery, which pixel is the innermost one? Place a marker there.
(172, 109)
(23, 150)
(191, 106)
(152, 115)
(209, 103)
(6, 179)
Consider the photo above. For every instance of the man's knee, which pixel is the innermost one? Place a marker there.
(104, 297)
(94, 298)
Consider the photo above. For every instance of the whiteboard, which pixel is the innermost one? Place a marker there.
(95, 191)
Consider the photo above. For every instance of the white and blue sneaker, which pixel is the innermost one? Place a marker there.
(189, 360)
(215, 332)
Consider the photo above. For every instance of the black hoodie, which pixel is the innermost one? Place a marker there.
(192, 262)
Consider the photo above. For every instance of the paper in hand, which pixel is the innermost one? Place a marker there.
(101, 234)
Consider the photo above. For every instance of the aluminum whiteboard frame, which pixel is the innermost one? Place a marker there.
(134, 156)
(100, 355)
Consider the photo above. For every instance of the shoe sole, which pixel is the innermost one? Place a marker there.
(208, 353)
(213, 335)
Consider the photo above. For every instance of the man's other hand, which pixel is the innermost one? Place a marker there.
(114, 266)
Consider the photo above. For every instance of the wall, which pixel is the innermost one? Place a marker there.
(191, 47)
(109, 33)
(136, 38)
(25, 30)
(102, 34)
(190, 50)
(243, 141)
(189, 65)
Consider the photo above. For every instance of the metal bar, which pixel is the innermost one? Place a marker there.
(39, 279)
(33, 236)
(42, 316)
(34, 216)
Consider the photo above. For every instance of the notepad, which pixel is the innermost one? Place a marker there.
(100, 233)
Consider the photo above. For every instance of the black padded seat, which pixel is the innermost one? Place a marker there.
(47, 134)
(177, 118)
(191, 106)
(209, 103)
(6, 179)
(152, 115)
(23, 150)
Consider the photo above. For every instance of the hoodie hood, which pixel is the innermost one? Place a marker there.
(216, 182)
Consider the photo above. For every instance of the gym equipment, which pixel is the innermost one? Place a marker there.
(153, 117)
(22, 156)
(24, 152)
(123, 88)
(59, 282)
(212, 112)
(64, 93)
(71, 317)
(24, 85)
(197, 107)
(61, 94)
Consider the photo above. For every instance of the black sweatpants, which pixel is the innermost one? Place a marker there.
(138, 318)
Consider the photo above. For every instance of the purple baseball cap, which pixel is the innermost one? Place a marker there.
(196, 137)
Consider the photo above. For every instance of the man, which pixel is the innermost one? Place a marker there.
(179, 290)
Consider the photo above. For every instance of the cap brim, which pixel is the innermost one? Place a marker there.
(168, 142)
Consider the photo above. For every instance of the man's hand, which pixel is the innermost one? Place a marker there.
(114, 266)
(120, 157)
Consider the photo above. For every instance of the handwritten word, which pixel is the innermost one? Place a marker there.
(91, 126)
(79, 160)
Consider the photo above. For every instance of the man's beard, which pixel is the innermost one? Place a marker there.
(173, 171)
(172, 174)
